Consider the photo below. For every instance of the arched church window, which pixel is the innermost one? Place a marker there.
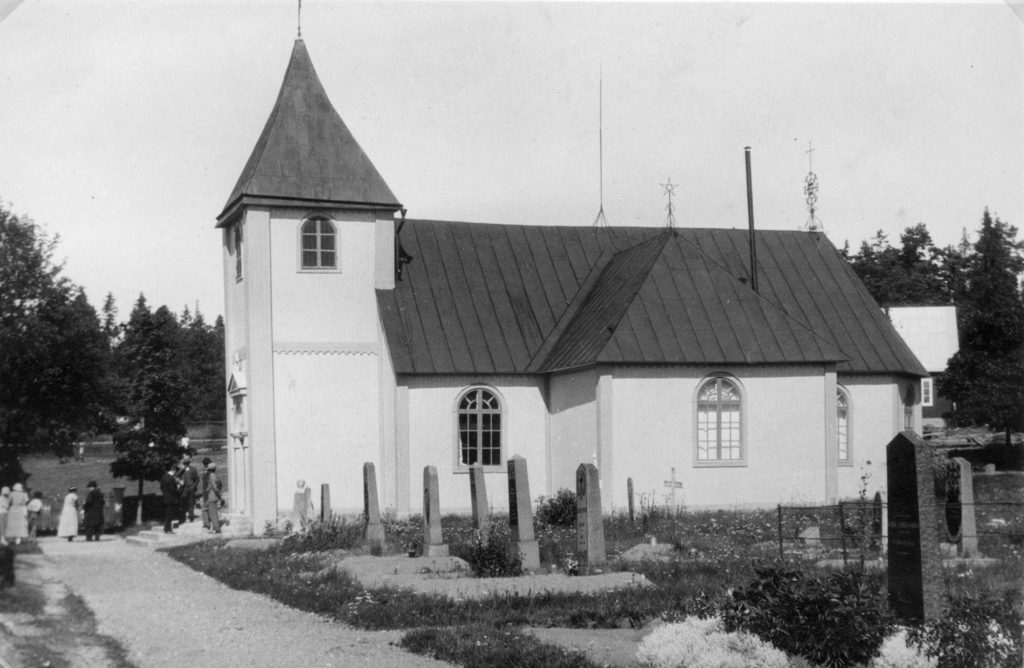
(319, 244)
(238, 250)
(479, 426)
(720, 422)
(843, 425)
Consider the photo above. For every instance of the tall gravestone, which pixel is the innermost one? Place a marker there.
(963, 527)
(325, 503)
(915, 565)
(589, 524)
(478, 498)
(373, 530)
(629, 495)
(433, 541)
(520, 514)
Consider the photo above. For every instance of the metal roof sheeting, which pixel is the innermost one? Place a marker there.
(306, 152)
(489, 299)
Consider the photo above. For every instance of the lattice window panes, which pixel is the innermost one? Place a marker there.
(719, 422)
(319, 244)
(479, 424)
(843, 426)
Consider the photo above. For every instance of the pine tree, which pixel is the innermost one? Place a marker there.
(985, 379)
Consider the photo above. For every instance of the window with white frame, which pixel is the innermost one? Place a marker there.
(719, 422)
(237, 234)
(926, 392)
(479, 418)
(319, 244)
(843, 425)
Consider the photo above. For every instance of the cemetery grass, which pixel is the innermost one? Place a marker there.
(709, 554)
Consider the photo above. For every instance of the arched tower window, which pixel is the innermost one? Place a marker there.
(720, 422)
(843, 426)
(479, 426)
(319, 244)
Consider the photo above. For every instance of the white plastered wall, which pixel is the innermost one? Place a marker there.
(573, 425)
(432, 438)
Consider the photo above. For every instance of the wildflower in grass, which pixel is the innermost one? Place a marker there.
(896, 653)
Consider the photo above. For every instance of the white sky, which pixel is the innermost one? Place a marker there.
(124, 125)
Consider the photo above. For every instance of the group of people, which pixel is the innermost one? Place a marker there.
(182, 486)
(90, 513)
(19, 514)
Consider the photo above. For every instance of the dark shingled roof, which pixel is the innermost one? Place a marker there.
(306, 153)
(499, 299)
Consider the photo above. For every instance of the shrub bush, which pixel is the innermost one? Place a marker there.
(704, 643)
(558, 511)
(976, 630)
(837, 621)
(334, 534)
(492, 557)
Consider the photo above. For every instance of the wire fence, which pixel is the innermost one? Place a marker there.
(856, 530)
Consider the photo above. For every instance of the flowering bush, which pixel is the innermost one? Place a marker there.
(559, 510)
(977, 630)
(704, 643)
(896, 653)
(492, 557)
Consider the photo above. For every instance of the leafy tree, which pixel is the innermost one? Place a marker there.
(910, 274)
(985, 379)
(202, 351)
(154, 394)
(52, 351)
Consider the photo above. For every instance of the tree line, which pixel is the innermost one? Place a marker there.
(985, 378)
(68, 372)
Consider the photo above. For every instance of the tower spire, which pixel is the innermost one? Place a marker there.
(300, 20)
(600, 221)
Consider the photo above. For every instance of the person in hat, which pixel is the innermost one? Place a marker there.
(212, 498)
(17, 517)
(204, 482)
(93, 506)
(68, 525)
(189, 487)
(170, 488)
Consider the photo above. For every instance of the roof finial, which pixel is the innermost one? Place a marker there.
(600, 221)
(811, 192)
(300, 19)
(670, 188)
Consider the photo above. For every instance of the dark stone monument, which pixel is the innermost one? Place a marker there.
(433, 541)
(629, 495)
(373, 528)
(915, 566)
(478, 497)
(325, 503)
(589, 524)
(520, 514)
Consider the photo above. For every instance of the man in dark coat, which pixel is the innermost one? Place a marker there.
(189, 486)
(204, 492)
(93, 507)
(172, 498)
(213, 500)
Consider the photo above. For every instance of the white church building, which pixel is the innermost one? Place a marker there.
(353, 335)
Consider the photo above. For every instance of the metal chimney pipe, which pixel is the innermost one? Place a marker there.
(750, 219)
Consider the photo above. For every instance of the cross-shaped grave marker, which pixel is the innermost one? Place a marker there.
(673, 485)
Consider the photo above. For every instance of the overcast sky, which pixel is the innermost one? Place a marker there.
(124, 125)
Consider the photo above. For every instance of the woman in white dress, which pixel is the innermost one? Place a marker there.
(68, 526)
(5, 504)
(17, 515)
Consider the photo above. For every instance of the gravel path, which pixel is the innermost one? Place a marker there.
(166, 614)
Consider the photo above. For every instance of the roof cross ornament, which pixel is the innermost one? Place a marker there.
(811, 192)
(670, 188)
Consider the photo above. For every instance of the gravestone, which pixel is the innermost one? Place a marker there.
(629, 496)
(960, 517)
(589, 525)
(915, 566)
(373, 529)
(325, 503)
(478, 498)
(117, 493)
(520, 514)
(433, 542)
